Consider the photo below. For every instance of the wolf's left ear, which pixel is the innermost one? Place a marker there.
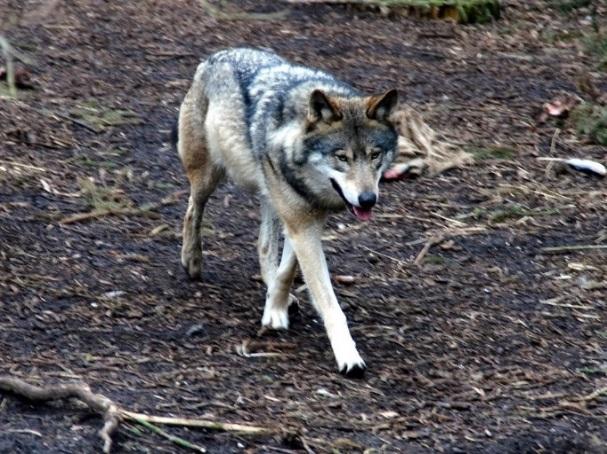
(379, 107)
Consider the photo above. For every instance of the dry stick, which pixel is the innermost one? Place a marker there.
(200, 423)
(573, 247)
(433, 241)
(24, 166)
(113, 414)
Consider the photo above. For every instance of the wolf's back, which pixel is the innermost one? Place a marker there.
(268, 89)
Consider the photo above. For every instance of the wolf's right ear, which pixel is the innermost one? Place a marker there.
(380, 107)
(321, 108)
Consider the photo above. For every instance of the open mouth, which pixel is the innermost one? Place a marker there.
(361, 214)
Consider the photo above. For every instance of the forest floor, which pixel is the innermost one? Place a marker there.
(493, 344)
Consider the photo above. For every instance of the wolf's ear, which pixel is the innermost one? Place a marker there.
(379, 107)
(322, 108)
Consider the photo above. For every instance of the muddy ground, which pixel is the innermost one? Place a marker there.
(492, 345)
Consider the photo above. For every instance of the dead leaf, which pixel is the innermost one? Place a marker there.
(23, 78)
(344, 279)
(559, 107)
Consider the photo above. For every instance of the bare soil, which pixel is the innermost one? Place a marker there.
(492, 345)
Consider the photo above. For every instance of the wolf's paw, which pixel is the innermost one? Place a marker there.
(276, 317)
(192, 264)
(350, 364)
(355, 371)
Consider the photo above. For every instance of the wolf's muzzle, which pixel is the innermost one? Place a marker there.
(367, 200)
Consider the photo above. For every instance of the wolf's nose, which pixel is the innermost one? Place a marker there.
(367, 199)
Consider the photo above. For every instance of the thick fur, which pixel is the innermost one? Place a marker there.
(308, 144)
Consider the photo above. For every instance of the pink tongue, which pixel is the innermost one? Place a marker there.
(361, 214)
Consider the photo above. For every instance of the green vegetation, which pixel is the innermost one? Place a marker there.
(462, 11)
(434, 260)
(100, 117)
(596, 45)
(485, 153)
(102, 197)
(567, 6)
(590, 120)
(508, 212)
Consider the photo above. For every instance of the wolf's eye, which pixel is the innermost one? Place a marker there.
(342, 157)
(375, 155)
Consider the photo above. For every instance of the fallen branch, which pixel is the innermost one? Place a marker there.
(113, 414)
(96, 402)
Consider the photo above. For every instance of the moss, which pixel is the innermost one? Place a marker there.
(596, 45)
(484, 153)
(462, 11)
(507, 213)
(100, 117)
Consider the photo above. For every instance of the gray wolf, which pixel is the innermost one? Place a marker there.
(309, 145)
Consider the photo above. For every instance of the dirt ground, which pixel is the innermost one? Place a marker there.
(492, 345)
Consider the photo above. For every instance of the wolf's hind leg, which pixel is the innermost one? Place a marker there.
(202, 187)
(202, 173)
(278, 298)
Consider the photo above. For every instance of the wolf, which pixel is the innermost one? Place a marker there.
(309, 145)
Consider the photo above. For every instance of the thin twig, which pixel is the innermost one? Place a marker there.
(99, 213)
(555, 302)
(177, 440)
(573, 247)
(69, 118)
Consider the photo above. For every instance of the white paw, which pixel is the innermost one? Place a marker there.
(276, 318)
(349, 361)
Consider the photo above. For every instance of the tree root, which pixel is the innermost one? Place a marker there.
(111, 412)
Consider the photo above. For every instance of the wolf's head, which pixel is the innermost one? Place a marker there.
(347, 143)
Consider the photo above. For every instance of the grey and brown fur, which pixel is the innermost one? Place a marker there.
(308, 144)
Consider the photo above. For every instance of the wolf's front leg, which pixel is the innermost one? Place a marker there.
(306, 242)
